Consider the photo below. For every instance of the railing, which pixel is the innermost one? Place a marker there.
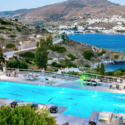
(46, 73)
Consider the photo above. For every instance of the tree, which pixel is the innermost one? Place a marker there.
(117, 73)
(24, 115)
(102, 69)
(64, 37)
(98, 68)
(41, 54)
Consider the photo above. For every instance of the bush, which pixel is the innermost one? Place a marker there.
(87, 54)
(13, 36)
(2, 38)
(5, 22)
(72, 57)
(58, 49)
(87, 65)
(24, 115)
(2, 28)
(117, 73)
(27, 55)
(18, 29)
(17, 64)
(101, 54)
(10, 45)
(54, 64)
(116, 56)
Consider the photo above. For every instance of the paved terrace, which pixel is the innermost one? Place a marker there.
(76, 84)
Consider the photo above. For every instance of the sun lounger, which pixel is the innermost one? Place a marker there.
(94, 83)
(6, 102)
(123, 120)
(121, 87)
(32, 78)
(50, 81)
(41, 107)
(113, 86)
(116, 120)
(23, 103)
(105, 116)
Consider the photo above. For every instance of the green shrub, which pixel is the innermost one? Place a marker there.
(58, 49)
(2, 38)
(17, 64)
(2, 28)
(101, 54)
(87, 54)
(18, 29)
(5, 22)
(87, 65)
(27, 55)
(116, 56)
(54, 64)
(24, 115)
(10, 45)
(69, 64)
(72, 57)
(117, 73)
(12, 36)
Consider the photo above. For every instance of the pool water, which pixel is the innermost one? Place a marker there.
(80, 103)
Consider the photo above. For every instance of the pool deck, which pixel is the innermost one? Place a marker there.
(61, 119)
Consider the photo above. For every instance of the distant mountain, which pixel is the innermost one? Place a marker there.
(10, 13)
(66, 12)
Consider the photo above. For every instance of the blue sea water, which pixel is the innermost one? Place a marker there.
(80, 103)
(108, 41)
(114, 42)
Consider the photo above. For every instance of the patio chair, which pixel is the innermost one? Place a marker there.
(105, 116)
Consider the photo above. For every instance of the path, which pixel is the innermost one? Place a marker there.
(11, 54)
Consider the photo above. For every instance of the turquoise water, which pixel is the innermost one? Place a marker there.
(80, 103)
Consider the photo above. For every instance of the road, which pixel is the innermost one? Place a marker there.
(11, 54)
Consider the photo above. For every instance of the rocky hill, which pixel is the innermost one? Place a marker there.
(67, 12)
(13, 32)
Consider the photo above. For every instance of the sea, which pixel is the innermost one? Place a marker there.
(108, 41)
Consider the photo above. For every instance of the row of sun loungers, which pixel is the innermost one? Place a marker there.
(31, 76)
(116, 86)
(93, 82)
(7, 102)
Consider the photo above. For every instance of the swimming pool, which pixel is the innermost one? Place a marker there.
(80, 103)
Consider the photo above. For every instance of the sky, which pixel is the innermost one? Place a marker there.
(7, 5)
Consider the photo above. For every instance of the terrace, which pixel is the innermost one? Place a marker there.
(67, 81)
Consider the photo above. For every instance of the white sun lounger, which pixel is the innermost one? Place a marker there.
(6, 102)
(42, 107)
(114, 86)
(121, 87)
(105, 116)
(50, 81)
(24, 103)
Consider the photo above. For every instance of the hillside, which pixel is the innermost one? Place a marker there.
(13, 32)
(67, 12)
